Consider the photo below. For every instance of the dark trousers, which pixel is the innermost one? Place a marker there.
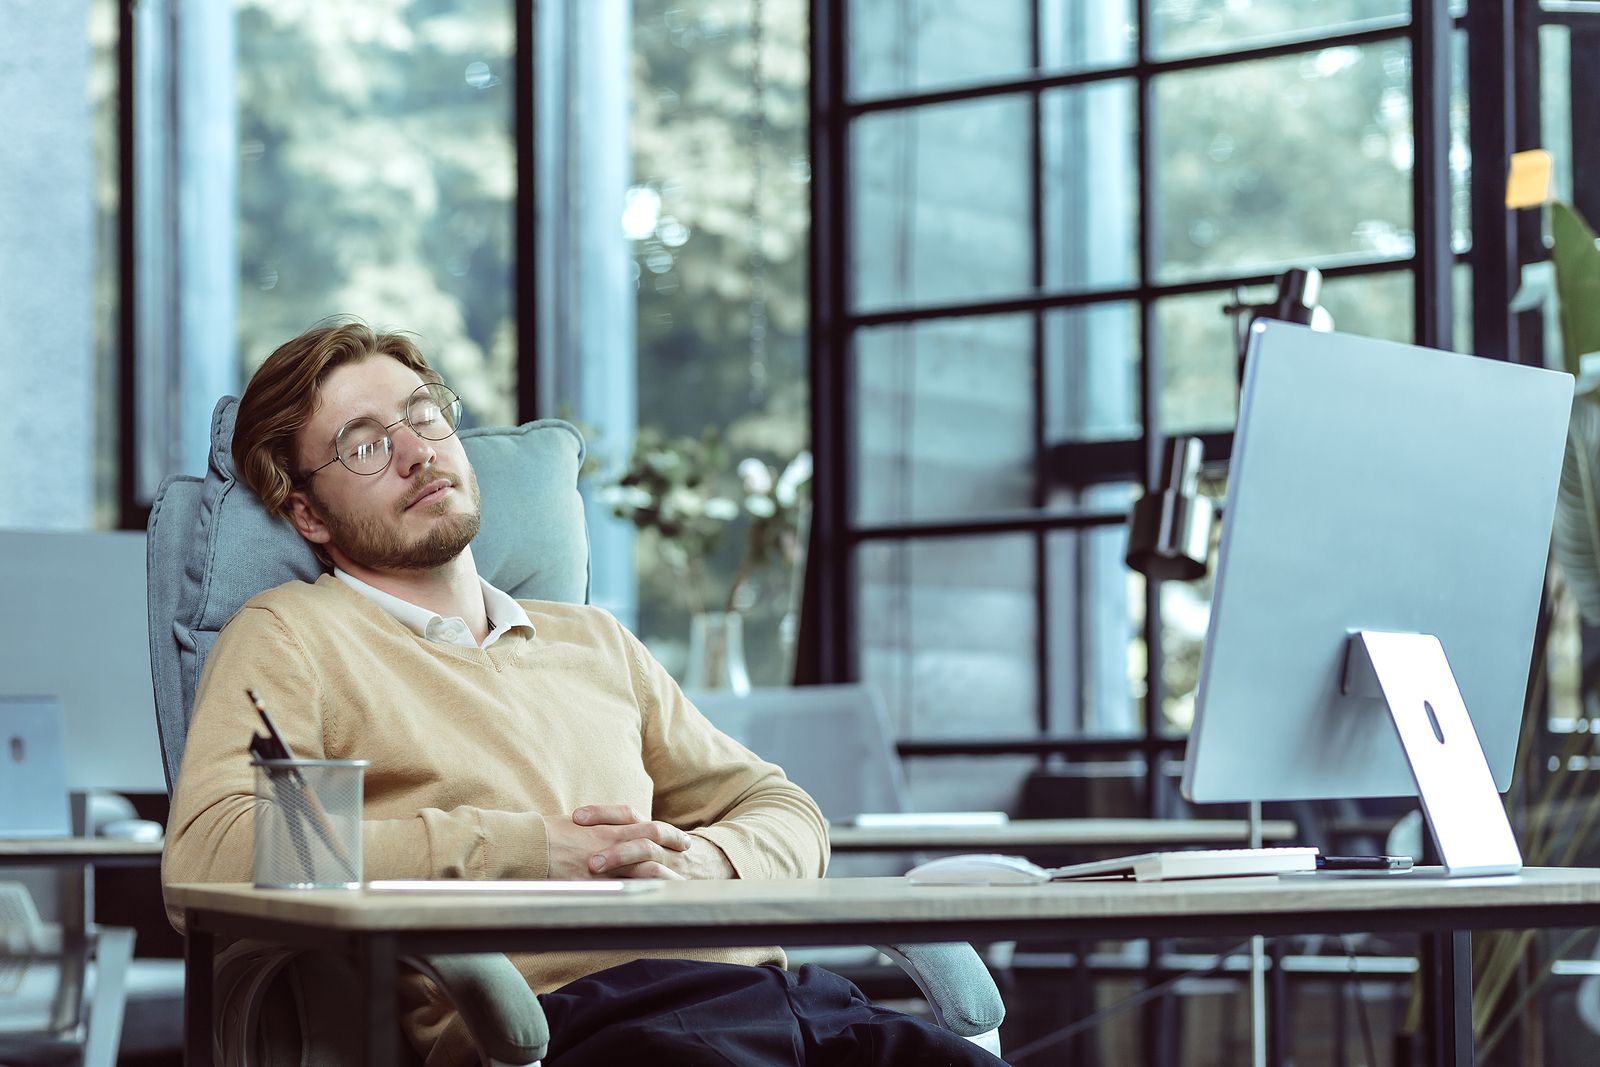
(682, 1013)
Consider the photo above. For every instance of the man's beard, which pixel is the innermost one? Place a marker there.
(378, 545)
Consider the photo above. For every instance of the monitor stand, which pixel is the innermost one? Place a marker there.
(1410, 674)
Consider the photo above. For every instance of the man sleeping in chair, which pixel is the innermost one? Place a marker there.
(506, 739)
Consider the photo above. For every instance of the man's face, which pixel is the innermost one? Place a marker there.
(418, 514)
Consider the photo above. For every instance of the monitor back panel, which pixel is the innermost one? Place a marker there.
(1379, 486)
(78, 630)
(33, 774)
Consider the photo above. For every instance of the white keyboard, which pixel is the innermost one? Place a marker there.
(1194, 863)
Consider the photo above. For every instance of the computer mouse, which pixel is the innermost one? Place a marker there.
(978, 869)
(132, 830)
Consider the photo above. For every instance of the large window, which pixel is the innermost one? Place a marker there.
(716, 218)
(596, 211)
(1026, 251)
(377, 177)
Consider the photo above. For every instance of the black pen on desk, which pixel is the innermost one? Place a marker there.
(1364, 863)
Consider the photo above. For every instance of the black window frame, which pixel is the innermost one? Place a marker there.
(136, 364)
(1499, 33)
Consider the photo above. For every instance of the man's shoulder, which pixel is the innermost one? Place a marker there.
(557, 619)
(294, 601)
(559, 612)
(296, 591)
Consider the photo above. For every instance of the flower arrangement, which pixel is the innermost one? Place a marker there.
(685, 493)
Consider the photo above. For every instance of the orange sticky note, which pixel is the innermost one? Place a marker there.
(1529, 182)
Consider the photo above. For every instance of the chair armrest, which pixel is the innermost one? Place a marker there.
(499, 1009)
(958, 986)
(261, 1019)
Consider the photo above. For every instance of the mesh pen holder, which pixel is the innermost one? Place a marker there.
(308, 823)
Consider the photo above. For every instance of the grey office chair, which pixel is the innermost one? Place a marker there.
(212, 546)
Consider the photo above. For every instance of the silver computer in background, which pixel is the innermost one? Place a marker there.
(33, 769)
(1383, 552)
(74, 627)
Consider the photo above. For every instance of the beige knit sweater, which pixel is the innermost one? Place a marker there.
(471, 752)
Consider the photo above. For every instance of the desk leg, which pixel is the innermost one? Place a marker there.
(74, 901)
(113, 952)
(376, 961)
(198, 948)
(1447, 996)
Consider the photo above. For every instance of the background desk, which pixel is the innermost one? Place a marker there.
(375, 929)
(76, 858)
(1133, 835)
(79, 851)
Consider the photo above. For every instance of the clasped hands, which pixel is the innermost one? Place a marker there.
(615, 841)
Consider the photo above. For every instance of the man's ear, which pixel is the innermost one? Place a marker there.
(303, 513)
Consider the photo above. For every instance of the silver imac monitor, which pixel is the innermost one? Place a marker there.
(75, 628)
(1383, 552)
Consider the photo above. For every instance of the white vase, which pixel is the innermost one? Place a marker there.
(716, 653)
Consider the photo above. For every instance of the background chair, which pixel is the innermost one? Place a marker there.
(212, 546)
(832, 741)
(70, 990)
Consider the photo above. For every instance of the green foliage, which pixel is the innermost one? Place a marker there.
(1577, 259)
(1557, 819)
(683, 495)
(1577, 525)
(1577, 520)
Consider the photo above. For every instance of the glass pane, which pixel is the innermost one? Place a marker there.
(1188, 27)
(1091, 372)
(1287, 161)
(944, 418)
(908, 46)
(1555, 104)
(377, 177)
(1096, 680)
(948, 634)
(964, 783)
(942, 203)
(1197, 354)
(1460, 148)
(1461, 279)
(104, 97)
(717, 226)
(1373, 305)
(1089, 158)
(1185, 617)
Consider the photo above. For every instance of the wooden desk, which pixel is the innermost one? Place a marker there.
(376, 929)
(1132, 835)
(75, 858)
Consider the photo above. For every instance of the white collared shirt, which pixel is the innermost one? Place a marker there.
(505, 614)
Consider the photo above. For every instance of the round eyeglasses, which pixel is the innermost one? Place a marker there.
(365, 446)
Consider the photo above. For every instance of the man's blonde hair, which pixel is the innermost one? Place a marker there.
(282, 396)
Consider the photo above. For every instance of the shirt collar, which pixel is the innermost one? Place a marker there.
(505, 614)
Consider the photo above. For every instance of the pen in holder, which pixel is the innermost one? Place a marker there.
(308, 823)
